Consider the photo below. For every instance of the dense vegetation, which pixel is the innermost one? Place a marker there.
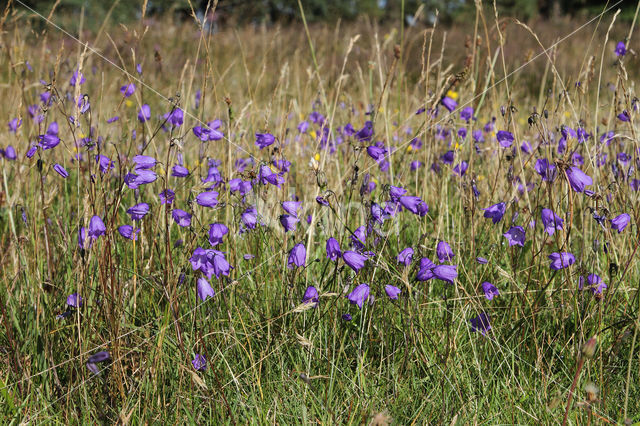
(360, 222)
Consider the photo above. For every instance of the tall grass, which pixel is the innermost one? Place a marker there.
(270, 357)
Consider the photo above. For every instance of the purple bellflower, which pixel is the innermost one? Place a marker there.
(405, 256)
(578, 179)
(392, 291)
(199, 363)
(167, 196)
(61, 170)
(620, 222)
(128, 232)
(263, 140)
(204, 289)
(207, 199)
(359, 295)
(515, 236)
(288, 222)
(449, 103)
(561, 260)
(490, 290)
(310, 295)
(444, 252)
(74, 300)
(505, 139)
(425, 271)
(480, 323)
(144, 114)
(495, 212)
(96, 227)
(128, 89)
(595, 284)
(181, 217)
(100, 357)
(333, 249)
(551, 221)
(138, 211)
(217, 231)
(354, 260)
(297, 256)
(446, 273)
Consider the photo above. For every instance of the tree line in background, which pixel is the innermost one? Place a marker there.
(285, 11)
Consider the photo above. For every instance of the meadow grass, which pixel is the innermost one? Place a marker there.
(270, 357)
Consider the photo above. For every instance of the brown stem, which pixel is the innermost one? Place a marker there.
(573, 388)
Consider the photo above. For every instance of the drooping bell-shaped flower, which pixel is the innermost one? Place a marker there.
(561, 260)
(505, 138)
(333, 249)
(366, 133)
(446, 273)
(444, 252)
(218, 263)
(144, 114)
(620, 222)
(138, 211)
(167, 196)
(297, 256)
(179, 171)
(480, 323)
(578, 179)
(207, 199)
(61, 170)
(128, 232)
(551, 221)
(263, 140)
(546, 170)
(77, 78)
(449, 103)
(359, 295)
(412, 203)
(199, 362)
(354, 260)
(467, 113)
(291, 207)
(392, 291)
(495, 212)
(143, 162)
(595, 284)
(216, 233)
(100, 357)
(181, 217)
(204, 289)
(128, 89)
(405, 256)
(288, 222)
(175, 117)
(310, 295)
(490, 290)
(250, 217)
(74, 300)
(96, 227)
(10, 153)
(425, 270)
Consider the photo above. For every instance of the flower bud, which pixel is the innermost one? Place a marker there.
(589, 348)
